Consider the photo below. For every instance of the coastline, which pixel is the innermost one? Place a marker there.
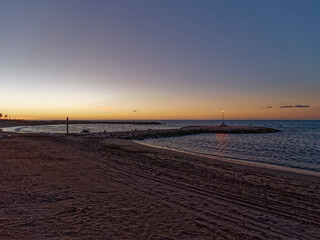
(250, 164)
(64, 187)
(23, 123)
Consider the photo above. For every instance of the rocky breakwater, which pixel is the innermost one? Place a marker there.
(159, 133)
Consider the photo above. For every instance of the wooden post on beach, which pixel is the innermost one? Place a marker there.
(67, 125)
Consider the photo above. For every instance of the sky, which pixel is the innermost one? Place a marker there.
(160, 59)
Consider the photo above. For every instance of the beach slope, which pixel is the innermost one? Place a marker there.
(56, 187)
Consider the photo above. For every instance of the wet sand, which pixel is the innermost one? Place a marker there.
(56, 187)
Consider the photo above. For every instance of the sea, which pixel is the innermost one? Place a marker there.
(297, 146)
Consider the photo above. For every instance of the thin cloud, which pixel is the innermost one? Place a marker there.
(295, 106)
(103, 107)
(267, 107)
(301, 106)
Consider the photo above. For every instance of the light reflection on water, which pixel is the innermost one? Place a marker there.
(298, 145)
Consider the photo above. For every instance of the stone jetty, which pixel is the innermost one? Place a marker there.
(159, 133)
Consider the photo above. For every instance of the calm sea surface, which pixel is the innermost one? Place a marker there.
(297, 146)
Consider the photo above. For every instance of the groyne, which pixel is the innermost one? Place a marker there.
(159, 133)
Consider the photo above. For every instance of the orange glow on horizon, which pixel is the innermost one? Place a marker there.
(233, 114)
(143, 109)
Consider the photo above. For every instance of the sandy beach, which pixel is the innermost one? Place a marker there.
(58, 187)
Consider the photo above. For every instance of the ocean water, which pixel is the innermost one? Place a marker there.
(297, 146)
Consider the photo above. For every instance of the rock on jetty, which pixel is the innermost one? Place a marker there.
(159, 133)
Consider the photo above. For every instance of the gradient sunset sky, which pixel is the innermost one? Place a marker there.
(160, 59)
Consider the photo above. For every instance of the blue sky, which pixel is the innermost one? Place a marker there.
(168, 59)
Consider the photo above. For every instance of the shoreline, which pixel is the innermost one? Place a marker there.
(266, 166)
(65, 187)
(270, 167)
(219, 158)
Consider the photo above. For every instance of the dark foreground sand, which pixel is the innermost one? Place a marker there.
(73, 188)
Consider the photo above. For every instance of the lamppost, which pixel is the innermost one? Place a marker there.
(222, 120)
(222, 115)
